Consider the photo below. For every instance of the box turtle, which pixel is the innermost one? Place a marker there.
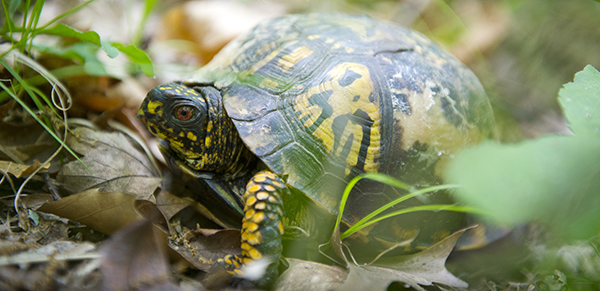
(286, 114)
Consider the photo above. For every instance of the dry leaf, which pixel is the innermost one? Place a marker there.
(202, 248)
(134, 258)
(116, 165)
(307, 275)
(425, 266)
(105, 212)
(24, 143)
(20, 170)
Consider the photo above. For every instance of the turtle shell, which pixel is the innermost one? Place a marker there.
(321, 98)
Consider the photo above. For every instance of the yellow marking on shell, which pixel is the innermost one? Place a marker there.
(280, 226)
(255, 254)
(349, 50)
(268, 83)
(329, 40)
(207, 141)
(238, 272)
(191, 136)
(314, 36)
(152, 105)
(288, 61)
(236, 264)
(427, 124)
(336, 46)
(258, 217)
(247, 260)
(181, 134)
(269, 188)
(345, 100)
(260, 206)
(262, 195)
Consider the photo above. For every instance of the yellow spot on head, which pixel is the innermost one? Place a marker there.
(152, 105)
(191, 136)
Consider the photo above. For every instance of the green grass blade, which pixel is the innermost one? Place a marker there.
(67, 13)
(432, 207)
(371, 176)
(358, 225)
(31, 93)
(148, 6)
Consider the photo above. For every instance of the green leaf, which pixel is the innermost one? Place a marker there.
(110, 50)
(138, 56)
(83, 52)
(67, 31)
(580, 101)
(554, 180)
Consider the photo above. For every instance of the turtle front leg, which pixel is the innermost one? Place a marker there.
(261, 227)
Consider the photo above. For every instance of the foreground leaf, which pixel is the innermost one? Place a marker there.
(135, 259)
(421, 269)
(116, 165)
(105, 212)
(553, 179)
(580, 101)
(306, 275)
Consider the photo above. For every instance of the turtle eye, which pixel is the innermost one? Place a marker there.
(184, 113)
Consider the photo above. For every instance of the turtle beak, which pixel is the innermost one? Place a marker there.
(141, 112)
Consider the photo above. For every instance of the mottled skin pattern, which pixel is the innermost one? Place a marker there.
(316, 100)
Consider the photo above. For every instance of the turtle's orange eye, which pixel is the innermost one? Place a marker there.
(184, 113)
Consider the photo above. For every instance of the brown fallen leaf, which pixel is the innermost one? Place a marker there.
(43, 268)
(116, 165)
(420, 269)
(105, 212)
(307, 275)
(20, 170)
(135, 259)
(203, 247)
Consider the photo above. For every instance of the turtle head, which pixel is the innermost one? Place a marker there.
(195, 130)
